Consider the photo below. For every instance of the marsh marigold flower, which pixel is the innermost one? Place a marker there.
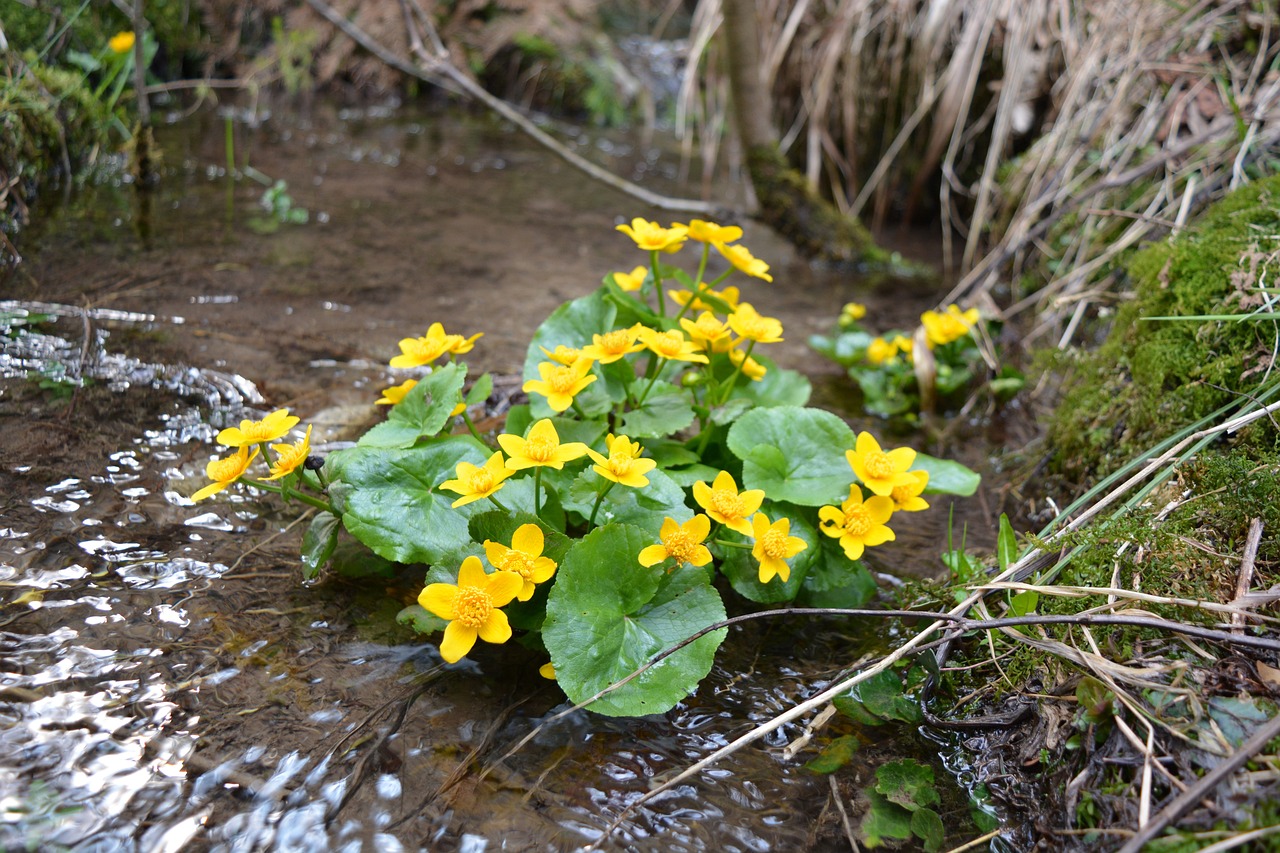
(880, 351)
(560, 383)
(679, 542)
(631, 281)
(273, 426)
(416, 352)
(754, 326)
(623, 464)
(122, 42)
(471, 607)
(881, 471)
(289, 457)
(708, 332)
(652, 237)
(611, 346)
(858, 524)
(751, 368)
(562, 354)
(542, 447)
(475, 482)
(724, 503)
(523, 558)
(950, 325)
(851, 313)
(729, 296)
(774, 546)
(226, 471)
(671, 345)
(710, 232)
(906, 498)
(741, 258)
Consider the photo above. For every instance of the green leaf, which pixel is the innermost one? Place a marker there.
(645, 507)
(1024, 603)
(834, 755)
(1006, 543)
(353, 560)
(731, 411)
(607, 615)
(743, 570)
(884, 820)
(480, 390)
(420, 619)
(796, 455)
(422, 413)
(1094, 699)
(686, 477)
(947, 477)
(498, 526)
(666, 411)
(927, 826)
(318, 543)
(876, 700)
(519, 419)
(571, 325)
(778, 387)
(670, 454)
(908, 783)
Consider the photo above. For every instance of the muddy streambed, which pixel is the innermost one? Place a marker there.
(167, 683)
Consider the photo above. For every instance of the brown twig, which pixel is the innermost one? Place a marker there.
(1245, 579)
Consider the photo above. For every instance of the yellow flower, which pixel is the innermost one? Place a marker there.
(710, 232)
(224, 472)
(631, 281)
(851, 313)
(856, 523)
(753, 326)
(948, 326)
(741, 258)
(393, 395)
(415, 352)
(562, 354)
(725, 504)
(903, 345)
(623, 464)
(652, 237)
(523, 558)
(471, 607)
(708, 332)
(290, 456)
(476, 482)
(774, 546)
(122, 42)
(906, 498)
(273, 426)
(751, 368)
(561, 383)
(542, 447)
(879, 470)
(461, 346)
(880, 351)
(671, 345)
(611, 346)
(728, 296)
(680, 542)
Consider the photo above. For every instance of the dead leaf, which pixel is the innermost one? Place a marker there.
(1268, 674)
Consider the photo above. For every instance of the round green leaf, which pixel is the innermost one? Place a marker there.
(796, 455)
(666, 411)
(778, 386)
(318, 543)
(947, 477)
(607, 615)
(423, 412)
(645, 507)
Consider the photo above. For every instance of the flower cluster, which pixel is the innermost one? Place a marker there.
(284, 460)
(886, 474)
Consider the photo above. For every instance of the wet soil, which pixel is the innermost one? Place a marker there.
(168, 683)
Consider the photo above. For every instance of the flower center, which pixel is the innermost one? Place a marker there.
(726, 503)
(620, 463)
(857, 521)
(518, 562)
(680, 545)
(879, 465)
(562, 379)
(225, 470)
(541, 449)
(901, 494)
(473, 607)
(616, 341)
(669, 343)
(481, 480)
(774, 544)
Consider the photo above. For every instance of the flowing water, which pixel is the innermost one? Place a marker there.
(167, 682)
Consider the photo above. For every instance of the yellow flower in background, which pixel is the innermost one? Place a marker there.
(122, 42)
(751, 368)
(879, 470)
(903, 345)
(710, 232)
(774, 546)
(724, 503)
(708, 332)
(471, 607)
(880, 351)
(906, 498)
(631, 281)
(273, 426)
(623, 465)
(393, 395)
(754, 326)
(951, 325)
(611, 346)
(560, 383)
(680, 542)
(475, 482)
(671, 345)
(856, 523)
(851, 313)
(652, 237)
(741, 258)
(729, 296)
(416, 352)
(523, 558)
(461, 345)
(290, 456)
(562, 354)
(541, 448)
(226, 471)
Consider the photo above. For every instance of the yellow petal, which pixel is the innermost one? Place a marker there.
(471, 573)
(439, 599)
(458, 640)
(503, 586)
(652, 555)
(496, 629)
(528, 538)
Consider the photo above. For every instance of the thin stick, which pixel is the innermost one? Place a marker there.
(1245, 580)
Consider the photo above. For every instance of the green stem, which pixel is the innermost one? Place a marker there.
(537, 490)
(728, 386)
(698, 284)
(286, 492)
(591, 522)
(746, 546)
(657, 283)
(660, 361)
(498, 504)
(471, 428)
(577, 408)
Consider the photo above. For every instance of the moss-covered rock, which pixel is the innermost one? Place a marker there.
(1153, 377)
